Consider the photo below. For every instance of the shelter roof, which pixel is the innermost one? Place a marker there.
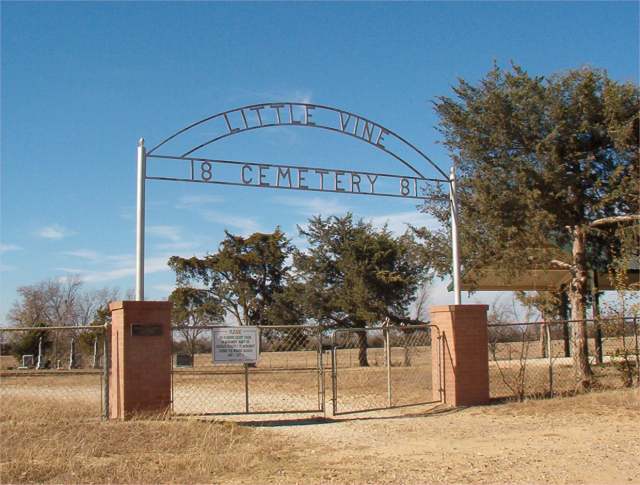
(548, 279)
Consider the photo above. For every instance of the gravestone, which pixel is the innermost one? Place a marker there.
(72, 354)
(40, 363)
(184, 360)
(27, 361)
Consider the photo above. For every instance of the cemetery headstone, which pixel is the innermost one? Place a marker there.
(27, 361)
(184, 360)
(40, 363)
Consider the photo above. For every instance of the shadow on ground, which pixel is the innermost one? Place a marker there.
(265, 423)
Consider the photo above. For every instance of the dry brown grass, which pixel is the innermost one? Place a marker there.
(590, 438)
(598, 403)
(57, 445)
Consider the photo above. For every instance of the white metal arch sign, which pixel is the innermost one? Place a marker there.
(189, 166)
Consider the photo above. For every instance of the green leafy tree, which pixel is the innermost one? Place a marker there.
(245, 278)
(543, 164)
(193, 308)
(354, 275)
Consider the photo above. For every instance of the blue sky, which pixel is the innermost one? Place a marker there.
(81, 82)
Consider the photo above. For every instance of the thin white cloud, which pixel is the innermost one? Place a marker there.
(295, 95)
(176, 246)
(97, 257)
(9, 247)
(299, 96)
(73, 271)
(123, 269)
(53, 231)
(87, 254)
(246, 225)
(166, 290)
(312, 206)
(190, 201)
(5, 268)
(128, 213)
(172, 233)
(399, 222)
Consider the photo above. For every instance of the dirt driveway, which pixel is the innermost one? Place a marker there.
(586, 439)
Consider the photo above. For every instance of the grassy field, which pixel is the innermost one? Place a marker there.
(589, 439)
(58, 443)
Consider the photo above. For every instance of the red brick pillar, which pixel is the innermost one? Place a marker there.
(463, 359)
(140, 378)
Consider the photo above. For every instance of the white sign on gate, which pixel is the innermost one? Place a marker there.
(235, 345)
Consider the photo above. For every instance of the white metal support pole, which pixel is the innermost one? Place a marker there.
(387, 358)
(454, 236)
(142, 173)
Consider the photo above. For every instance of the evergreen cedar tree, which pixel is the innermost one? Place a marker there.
(191, 309)
(352, 275)
(547, 171)
(245, 278)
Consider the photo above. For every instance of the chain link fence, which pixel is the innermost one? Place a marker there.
(55, 371)
(534, 359)
(60, 370)
(380, 368)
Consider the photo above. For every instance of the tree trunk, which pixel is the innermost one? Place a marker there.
(362, 348)
(577, 295)
(543, 339)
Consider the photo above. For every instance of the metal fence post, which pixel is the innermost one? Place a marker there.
(320, 365)
(635, 333)
(173, 362)
(246, 388)
(105, 372)
(334, 375)
(387, 345)
(549, 356)
(440, 368)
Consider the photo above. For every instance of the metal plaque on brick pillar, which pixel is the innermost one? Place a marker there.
(189, 165)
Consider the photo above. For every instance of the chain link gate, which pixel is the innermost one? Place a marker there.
(368, 369)
(385, 367)
(287, 377)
